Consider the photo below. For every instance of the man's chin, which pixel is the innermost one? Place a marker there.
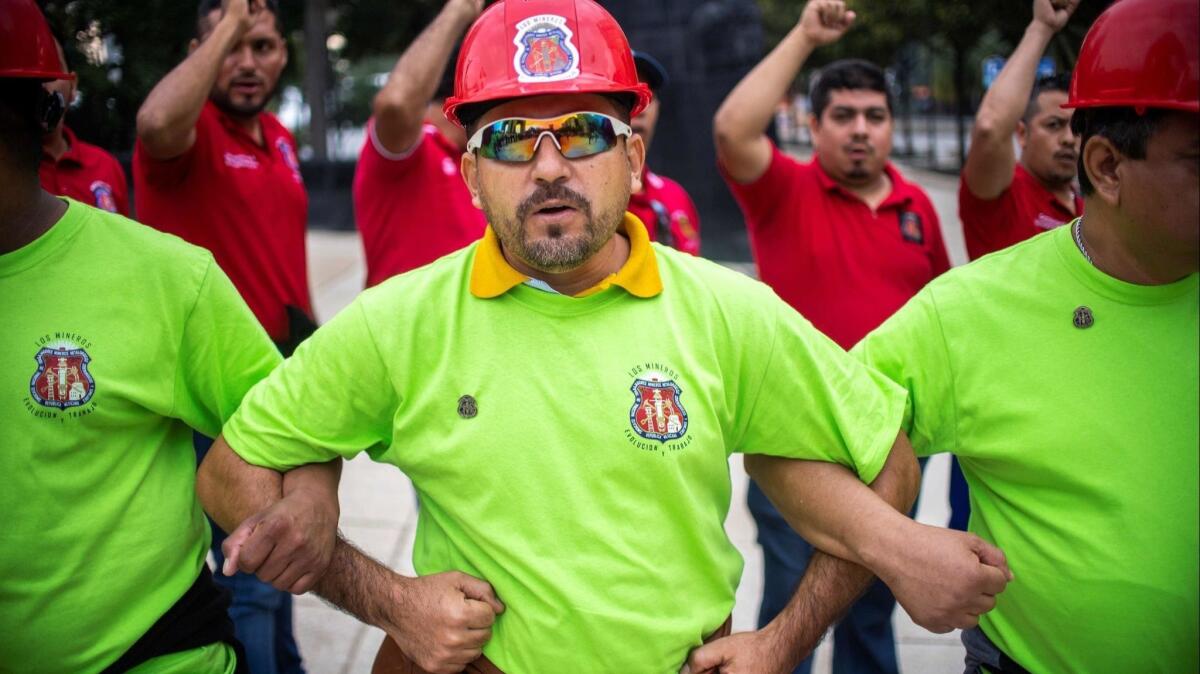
(241, 108)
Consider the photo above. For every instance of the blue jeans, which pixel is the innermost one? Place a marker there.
(262, 615)
(863, 642)
(960, 502)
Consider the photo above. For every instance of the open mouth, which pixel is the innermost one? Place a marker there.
(553, 208)
(1066, 156)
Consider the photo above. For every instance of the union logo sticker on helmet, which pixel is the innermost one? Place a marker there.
(545, 52)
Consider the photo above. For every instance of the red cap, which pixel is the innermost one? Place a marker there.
(26, 44)
(1140, 54)
(532, 47)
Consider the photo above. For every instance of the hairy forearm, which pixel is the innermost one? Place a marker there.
(400, 106)
(749, 108)
(828, 504)
(358, 584)
(1006, 99)
(827, 590)
(166, 121)
(830, 584)
(231, 489)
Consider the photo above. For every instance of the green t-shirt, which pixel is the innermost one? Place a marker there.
(118, 341)
(586, 475)
(1079, 445)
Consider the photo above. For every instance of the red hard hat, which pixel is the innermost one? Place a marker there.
(532, 47)
(1140, 54)
(26, 44)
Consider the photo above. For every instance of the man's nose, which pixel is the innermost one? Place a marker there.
(859, 126)
(549, 164)
(244, 58)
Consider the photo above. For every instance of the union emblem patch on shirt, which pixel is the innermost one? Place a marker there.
(545, 52)
(657, 413)
(62, 379)
(102, 192)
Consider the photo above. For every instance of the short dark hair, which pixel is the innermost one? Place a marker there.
(1125, 128)
(207, 7)
(20, 131)
(1045, 83)
(842, 75)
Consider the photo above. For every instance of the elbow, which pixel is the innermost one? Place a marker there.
(723, 126)
(397, 104)
(150, 124)
(986, 130)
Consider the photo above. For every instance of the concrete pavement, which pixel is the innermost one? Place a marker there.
(379, 506)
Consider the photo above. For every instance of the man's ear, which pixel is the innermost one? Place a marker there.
(635, 152)
(1022, 133)
(1102, 161)
(469, 169)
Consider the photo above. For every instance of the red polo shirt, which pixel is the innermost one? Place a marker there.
(86, 174)
(823, 250)
(412, 208)
(1024, 209)
(663, 203)
(243, 201)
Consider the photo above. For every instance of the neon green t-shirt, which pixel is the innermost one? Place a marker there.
(573, 451)
(118, 341)
(1079, 445)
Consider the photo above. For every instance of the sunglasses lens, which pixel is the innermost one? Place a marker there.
(586, 134)
(509, 140)
(579, 135)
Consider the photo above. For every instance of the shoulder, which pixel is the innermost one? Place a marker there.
(439, 284)
(706, 285)
(121, 244)
(997, 277)
(909, 189)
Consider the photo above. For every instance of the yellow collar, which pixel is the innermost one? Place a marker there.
(492, 275)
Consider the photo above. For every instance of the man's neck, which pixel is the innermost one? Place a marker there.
(873, 192)
(608, 260)
(55, 144)
(1120, 253)
(250, 124)
(26, 210)
(1062, 191)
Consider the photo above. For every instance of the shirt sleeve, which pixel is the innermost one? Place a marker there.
(939, 260)
(762, 201)
(224, 351)
(816, 402)
(120, 187)
(910, 349)
(987, 223)
(169, 172)
(332, 398)
(379, 161)
(687, 228)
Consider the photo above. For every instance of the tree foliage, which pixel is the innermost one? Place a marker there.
(120, 49)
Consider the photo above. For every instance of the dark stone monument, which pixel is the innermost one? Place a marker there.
(707, 46)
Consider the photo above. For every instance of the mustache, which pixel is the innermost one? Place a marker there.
(553, 192)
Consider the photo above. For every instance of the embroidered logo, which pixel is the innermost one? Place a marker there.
(240, 161)
(289, 157)
(102, 193)
(62, 379)
(1043, 221)
(545, 52)
(911, 228)
(657, 413)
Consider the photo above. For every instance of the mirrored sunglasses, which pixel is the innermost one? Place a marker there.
(579, 134)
